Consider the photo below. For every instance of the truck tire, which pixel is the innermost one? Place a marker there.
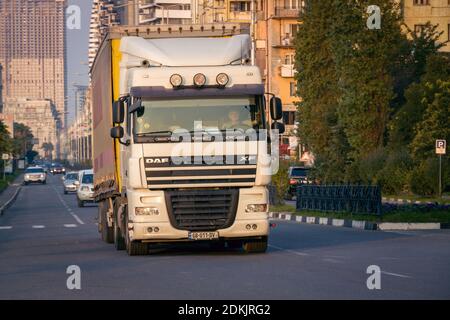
(119, 241)
(107, 232)
(80, 203)
(255, 246)
(65, 191)
(135, 248)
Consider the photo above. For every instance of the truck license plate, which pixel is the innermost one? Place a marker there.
(203, 235)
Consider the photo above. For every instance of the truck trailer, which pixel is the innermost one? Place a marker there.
(181, 143)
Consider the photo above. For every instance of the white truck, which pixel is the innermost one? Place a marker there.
(181, 145)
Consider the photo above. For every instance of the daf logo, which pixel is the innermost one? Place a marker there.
(157, 160)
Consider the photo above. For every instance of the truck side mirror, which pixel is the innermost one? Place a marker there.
(117, 132)
(279, 126)
(276, 108)
(118, 112)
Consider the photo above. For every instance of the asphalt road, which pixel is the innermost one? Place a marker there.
(44, 232)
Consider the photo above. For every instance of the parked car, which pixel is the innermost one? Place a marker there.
(85, 191)
(297, 176)
(70, 182)
(35, 174)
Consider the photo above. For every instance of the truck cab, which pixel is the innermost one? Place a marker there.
(192, 148)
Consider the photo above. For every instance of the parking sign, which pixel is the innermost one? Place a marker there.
(441, 146)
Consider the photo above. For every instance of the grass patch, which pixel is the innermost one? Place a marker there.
(282, 208)
(444, 200)
(9, 179)
(442, 216)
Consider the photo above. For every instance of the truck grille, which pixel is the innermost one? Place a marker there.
(164, 173)
(202, 210)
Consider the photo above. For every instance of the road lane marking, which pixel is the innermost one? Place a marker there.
(396, 274)
(70, 226)
(290, 251)
(5, 228)
(69, 210)
(38, 227)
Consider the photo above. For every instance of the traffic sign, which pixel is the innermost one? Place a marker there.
(441, 146)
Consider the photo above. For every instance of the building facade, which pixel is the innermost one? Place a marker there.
(416, 13)
(41, 117)
(33, 50)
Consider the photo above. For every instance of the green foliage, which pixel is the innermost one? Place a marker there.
(373, 101)
(394, 176)
(23, 140)
(281, 182)
(5, 139)
(424, 178)
(435, 123)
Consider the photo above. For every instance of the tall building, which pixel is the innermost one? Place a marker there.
(105, 13)
(80, 98)
(33, 50)
(41, 116)
(416, 13)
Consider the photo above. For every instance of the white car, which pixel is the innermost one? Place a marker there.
(35, 174)
(85, 191)
(70, 182)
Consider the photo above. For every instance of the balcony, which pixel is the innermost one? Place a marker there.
(285, 42)
(284, 12)
(240, 16)
(173, 14)
(288, 71)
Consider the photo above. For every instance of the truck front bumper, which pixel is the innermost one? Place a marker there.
(246, 225)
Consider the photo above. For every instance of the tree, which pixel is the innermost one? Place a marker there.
(418, 97)
(48, 149)
(318, 88)
(5, 139)
(364, 59)
(435, 123)
(23, 140)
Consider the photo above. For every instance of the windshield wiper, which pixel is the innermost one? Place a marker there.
(167, 133)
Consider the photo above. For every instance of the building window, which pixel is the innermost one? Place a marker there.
(289, 59)
(240, 6)
(418, 29)
(292, 89)
(289, 118)
(421, 2)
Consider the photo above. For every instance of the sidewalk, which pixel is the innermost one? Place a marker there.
(7, 195)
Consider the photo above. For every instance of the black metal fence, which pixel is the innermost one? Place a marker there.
(340, 198)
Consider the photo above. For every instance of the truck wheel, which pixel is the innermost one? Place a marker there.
(107, 232)
(80, 203)
(65, 191)
(134, 248)
(119, 241)
(255, 246)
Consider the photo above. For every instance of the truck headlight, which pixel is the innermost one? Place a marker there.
(27, 176)
(256, 208)
(84, 188)
(149, 211)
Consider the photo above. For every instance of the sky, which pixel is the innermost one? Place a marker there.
(77, 54)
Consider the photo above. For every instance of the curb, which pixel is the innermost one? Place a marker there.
(404, 201)
(10, 201)
(356, 224)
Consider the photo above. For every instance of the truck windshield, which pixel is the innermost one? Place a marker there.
(163, 117)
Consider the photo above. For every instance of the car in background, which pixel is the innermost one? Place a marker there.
(297, 176)
(70, 181)
(85, 191)
(35, 175)
(57, 169)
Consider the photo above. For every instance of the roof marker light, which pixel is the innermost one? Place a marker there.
(222, 79)
(176, 80)
(199, 80)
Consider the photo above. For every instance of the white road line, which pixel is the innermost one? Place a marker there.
(70, 226)
(396, 274)
(290, 251)
(68, 208)
(38, 227)
(76, 218)
(5, 228)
